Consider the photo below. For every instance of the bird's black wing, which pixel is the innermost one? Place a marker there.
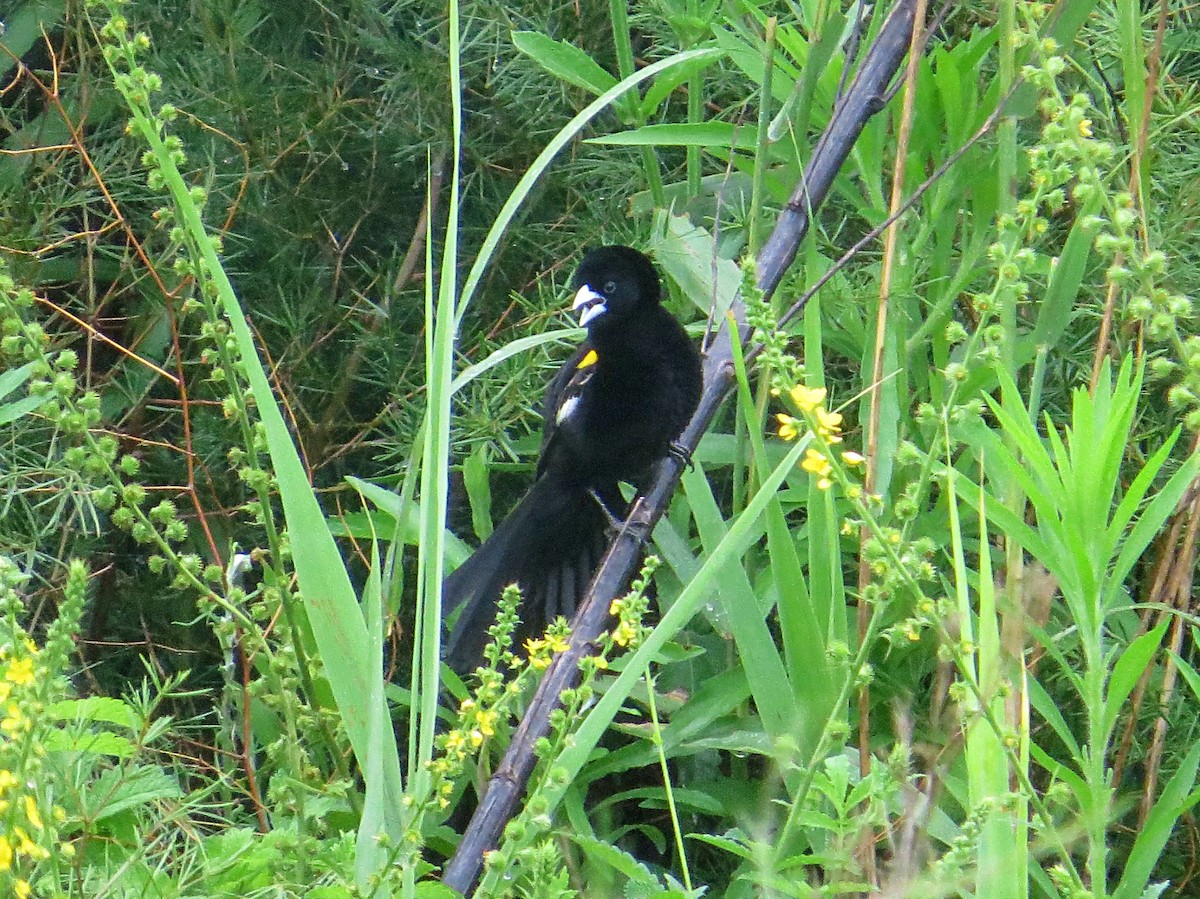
(562, 393)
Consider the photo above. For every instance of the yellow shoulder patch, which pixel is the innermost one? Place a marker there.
(590, 358)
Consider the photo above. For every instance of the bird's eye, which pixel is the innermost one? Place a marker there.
(610, 287)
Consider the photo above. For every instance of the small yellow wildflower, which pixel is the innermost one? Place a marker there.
(829, 425)
(14, 721)
(31, 813)
(28, 847)
(1085, 127)
(615, 607)
(476, 738)
(20, 672)
(487, 722)
(21, 889)
(824, 483)
(815, 463)
(535, 646)
(807, 398)
(624, 634)
(6, 853)
(8, 780)
(788, 427)
(600, 662)
(850, 457)
(558, 642)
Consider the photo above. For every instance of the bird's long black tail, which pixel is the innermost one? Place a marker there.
(550, 545)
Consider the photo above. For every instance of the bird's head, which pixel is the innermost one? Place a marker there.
(612, 284)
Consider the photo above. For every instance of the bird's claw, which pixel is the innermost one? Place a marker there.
(678, 451)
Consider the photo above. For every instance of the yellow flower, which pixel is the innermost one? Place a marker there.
(1085, 127)
(624, 634)
(829, 424)
(815, 463)
(14, 721)
(850, 457)
(824, 483)
(788, 426)
(534, 646)
(455, 741)
(6, 853)
(557, 642)
(8, 780)
(20, 672)
(21, 889)
(32, 814)
(5, 691)
(28, 847)
(807, 398)
(487, 722)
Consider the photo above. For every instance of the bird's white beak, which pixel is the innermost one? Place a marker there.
(588, 304)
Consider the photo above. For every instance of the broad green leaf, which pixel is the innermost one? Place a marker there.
(24, 26)
(1128, 670)
(1054, 310)
(93, 708)
(601, 852)
(13, 378)
(688, 256)
(745, 614)
(733, 847)
(1052, 714)
(90, 743)
(564, 60)
(10, 412)
(118, 789)
(667, 82)
(479, 491)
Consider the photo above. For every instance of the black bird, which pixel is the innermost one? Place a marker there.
(613, 410)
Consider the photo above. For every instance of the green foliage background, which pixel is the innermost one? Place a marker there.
(322, 136)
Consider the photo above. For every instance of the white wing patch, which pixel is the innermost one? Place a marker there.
(565, 410)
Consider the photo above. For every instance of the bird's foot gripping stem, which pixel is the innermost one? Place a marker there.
(677, 450)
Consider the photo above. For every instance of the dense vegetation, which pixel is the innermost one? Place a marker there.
(280, 286)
